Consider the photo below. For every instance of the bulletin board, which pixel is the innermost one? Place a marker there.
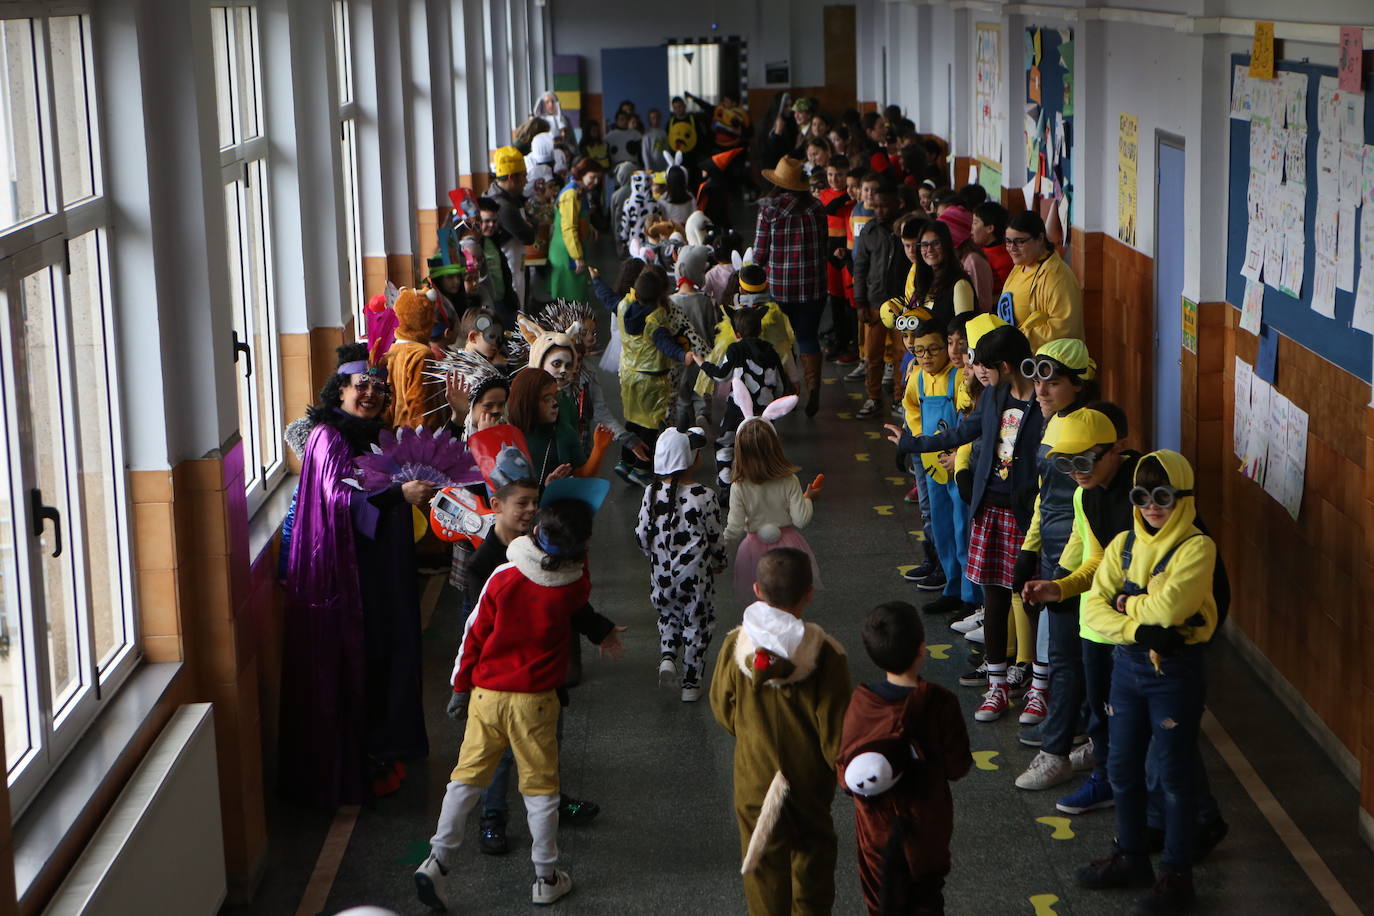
(1047, 123)
(1333, 338)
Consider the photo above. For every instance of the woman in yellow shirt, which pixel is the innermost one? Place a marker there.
(1041, 296)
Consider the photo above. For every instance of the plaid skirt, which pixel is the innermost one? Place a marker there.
(993, 545)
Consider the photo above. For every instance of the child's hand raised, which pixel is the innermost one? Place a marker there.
(563, 470)
(603, 436)
(816, 486)
(611, 646)
(895, 433)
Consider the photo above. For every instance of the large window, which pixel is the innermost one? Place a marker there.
(348, 155)
(243, 163)
(66, 623)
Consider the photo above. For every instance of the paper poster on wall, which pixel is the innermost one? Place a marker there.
(1352, 57)
(1293, 93)
(1189, 325)
(1252, 309)
(1128, 155)
(1345, 248)
(1033, 85)
(987, 94)
(1242, 98)
(1240, 422)
(1262, 51)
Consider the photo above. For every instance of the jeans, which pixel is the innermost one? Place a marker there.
(949, 524)
(1097, 687)
(1208, 811)
(1066, 676)
(1156, 714)
(494, 795)
(806, 323)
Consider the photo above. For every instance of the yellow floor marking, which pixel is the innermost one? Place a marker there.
(856, 396)
(896, 481)
(1298, 845)
(983, 760)
(1061, 829)
(872, 434)
(939, 651)
(829, 381)
(327, 865)
(1044, 904)
(845, 416)
(906, 568)
(918, 535)
(862, 456)
(883, 510)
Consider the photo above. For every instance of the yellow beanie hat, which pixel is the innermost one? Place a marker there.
(977, 327)
(507, 161)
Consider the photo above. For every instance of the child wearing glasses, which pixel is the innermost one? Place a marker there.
(1007, 423)
(1152, 596)
(930, 405)
(1062, 372)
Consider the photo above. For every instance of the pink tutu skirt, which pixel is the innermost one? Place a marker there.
(752, 547)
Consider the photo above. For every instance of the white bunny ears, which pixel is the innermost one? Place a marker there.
(738, 261)
(673, 159)
(775, 409)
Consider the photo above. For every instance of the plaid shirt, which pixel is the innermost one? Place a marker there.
(791, 244)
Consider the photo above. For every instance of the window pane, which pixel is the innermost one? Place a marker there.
(75, 111)
(23, 189)
(236, 235)
(246, 71)
(100, 466)
(224, 80)
(343, 52)
(266, 374)
(14, 687)
(43, 390)
(348, 154)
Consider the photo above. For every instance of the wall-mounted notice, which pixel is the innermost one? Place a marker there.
(1189, 325)
(1262, 51)
(1128, 160)
(988, 122)
(1352, 56)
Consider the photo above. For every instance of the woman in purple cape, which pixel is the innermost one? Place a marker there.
(351, 707)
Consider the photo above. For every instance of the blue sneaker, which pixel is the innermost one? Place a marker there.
(1093, 794)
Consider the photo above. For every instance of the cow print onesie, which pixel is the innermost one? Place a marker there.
(679, 531)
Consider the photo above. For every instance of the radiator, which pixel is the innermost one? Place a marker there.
(160, 849)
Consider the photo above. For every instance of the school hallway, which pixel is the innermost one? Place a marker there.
(665, 841)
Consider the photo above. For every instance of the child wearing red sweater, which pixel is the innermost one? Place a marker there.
(513, 658)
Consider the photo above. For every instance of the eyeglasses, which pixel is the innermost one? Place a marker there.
(1079, 464)
(927, 245)
(926, 351)
(366, 384)
(1160, 497)
(1044, 369)
(1017, 243)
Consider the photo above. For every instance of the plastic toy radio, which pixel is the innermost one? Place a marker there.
(456, 514)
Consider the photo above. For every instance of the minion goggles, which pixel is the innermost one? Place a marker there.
(1043, 368)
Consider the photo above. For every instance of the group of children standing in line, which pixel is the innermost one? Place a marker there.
(1033, 510)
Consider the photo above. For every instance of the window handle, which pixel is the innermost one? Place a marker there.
(247, 351)
(42, 513)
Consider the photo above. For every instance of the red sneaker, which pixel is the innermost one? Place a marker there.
(995, 703)
(847, 357)
(913, 495)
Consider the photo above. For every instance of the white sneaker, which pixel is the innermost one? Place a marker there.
(858, 373)
(968, 624)
(551, 890)
(1045, 771)
(1037, 706)
(887, 373)
(1018, 677)
(1081, 758)
(691, 693)
(429, 884)
(667, 672)
(975, 635)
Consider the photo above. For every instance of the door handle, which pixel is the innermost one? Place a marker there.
(42, 513)
(241, 346)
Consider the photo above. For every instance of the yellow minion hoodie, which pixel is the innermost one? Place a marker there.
(1181, 594)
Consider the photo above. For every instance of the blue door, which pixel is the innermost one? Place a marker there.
(1168, 291)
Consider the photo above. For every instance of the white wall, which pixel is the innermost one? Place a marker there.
(775, 30)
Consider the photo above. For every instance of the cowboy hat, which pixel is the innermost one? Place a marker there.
(788, 175)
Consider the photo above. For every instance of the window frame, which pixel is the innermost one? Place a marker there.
(349, 188)
(42, 244)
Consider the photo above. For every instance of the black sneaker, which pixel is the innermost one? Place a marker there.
(491, 836)
(943, 605)
(1172, 893)
(978, 677)
(920, 572)
(577, 811)
(1117, 870)
(1208, 836)
(935, 582)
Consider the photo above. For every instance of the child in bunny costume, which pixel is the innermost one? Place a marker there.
(768, 506)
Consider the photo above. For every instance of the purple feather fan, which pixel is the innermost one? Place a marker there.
(416, 454)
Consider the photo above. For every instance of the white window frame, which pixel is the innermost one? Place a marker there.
(261, 472)
(37, 244)
(349, 187)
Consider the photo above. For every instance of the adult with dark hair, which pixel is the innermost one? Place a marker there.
(989, 229)
(567, 242)
(959, 222)
(783, 134)
(500, 276)
(1041, 296)
(791, 243)
(351, 709)
(938, 280)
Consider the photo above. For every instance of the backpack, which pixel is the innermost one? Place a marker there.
(1221, 585)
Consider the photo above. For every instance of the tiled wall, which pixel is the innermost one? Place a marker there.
(398, 268)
